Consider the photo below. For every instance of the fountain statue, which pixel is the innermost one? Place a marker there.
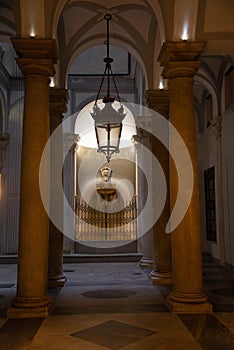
(105, 189)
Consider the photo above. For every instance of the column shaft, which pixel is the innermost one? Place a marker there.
(180, 66)
(36, 59)
(186, 237)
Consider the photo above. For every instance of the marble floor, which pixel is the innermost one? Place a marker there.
(114, 306)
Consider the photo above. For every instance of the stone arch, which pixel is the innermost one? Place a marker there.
(207, 84)
(115, 42)
(82, 38)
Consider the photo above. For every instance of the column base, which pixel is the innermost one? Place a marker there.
(57, 281)
(161, 278)
(21, 308)
(188, 304)
(146, 263)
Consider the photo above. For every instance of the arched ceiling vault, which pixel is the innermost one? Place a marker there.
(139, 26)
(134, 27)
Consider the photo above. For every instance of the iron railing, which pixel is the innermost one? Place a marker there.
(94, 224)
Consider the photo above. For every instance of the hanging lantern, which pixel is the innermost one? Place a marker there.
(108, 120)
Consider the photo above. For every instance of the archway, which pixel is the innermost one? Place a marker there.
(84, 79)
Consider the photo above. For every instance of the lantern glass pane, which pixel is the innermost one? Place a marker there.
(101, 133)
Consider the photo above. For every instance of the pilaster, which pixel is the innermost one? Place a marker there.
(4, 141)
(69, 147)
(216, 125)
(58, 106)
(145, 162)
(158, 100)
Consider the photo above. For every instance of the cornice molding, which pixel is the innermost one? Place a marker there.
(36, 56)
(36, 48)
(180, 51)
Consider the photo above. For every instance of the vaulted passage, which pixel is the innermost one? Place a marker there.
(116, 174)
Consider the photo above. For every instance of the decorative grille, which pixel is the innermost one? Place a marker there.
(99, 224)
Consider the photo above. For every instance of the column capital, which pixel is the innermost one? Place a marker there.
(136, 139)
(174, 70)
(145, 123)
(36, 56)
(158, 100)
(180, 58)
(58, 100)
(70, 141)
(180, 51)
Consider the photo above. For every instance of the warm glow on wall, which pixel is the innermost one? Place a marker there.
(161, 85)
(32, 18)
(185, 32)
(32, 33)
(185, 20)
(52, 82)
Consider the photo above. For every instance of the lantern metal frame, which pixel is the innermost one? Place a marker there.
(108, 121)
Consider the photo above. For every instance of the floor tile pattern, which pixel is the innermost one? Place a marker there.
(113, 335)
(102, 297)
(209, 332)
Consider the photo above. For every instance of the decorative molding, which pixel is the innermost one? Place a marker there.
(36, 56)
(144, 122)
(70, 141)
(36, 48)
(136, 139)
(179, 69)
(180, 58)
(180, 51)
(216, 124)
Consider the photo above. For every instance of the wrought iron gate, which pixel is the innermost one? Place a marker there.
(99, 224)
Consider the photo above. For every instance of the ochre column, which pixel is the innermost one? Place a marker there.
(180, 63)
(58, 106)
(158, 100)
(36, 59)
